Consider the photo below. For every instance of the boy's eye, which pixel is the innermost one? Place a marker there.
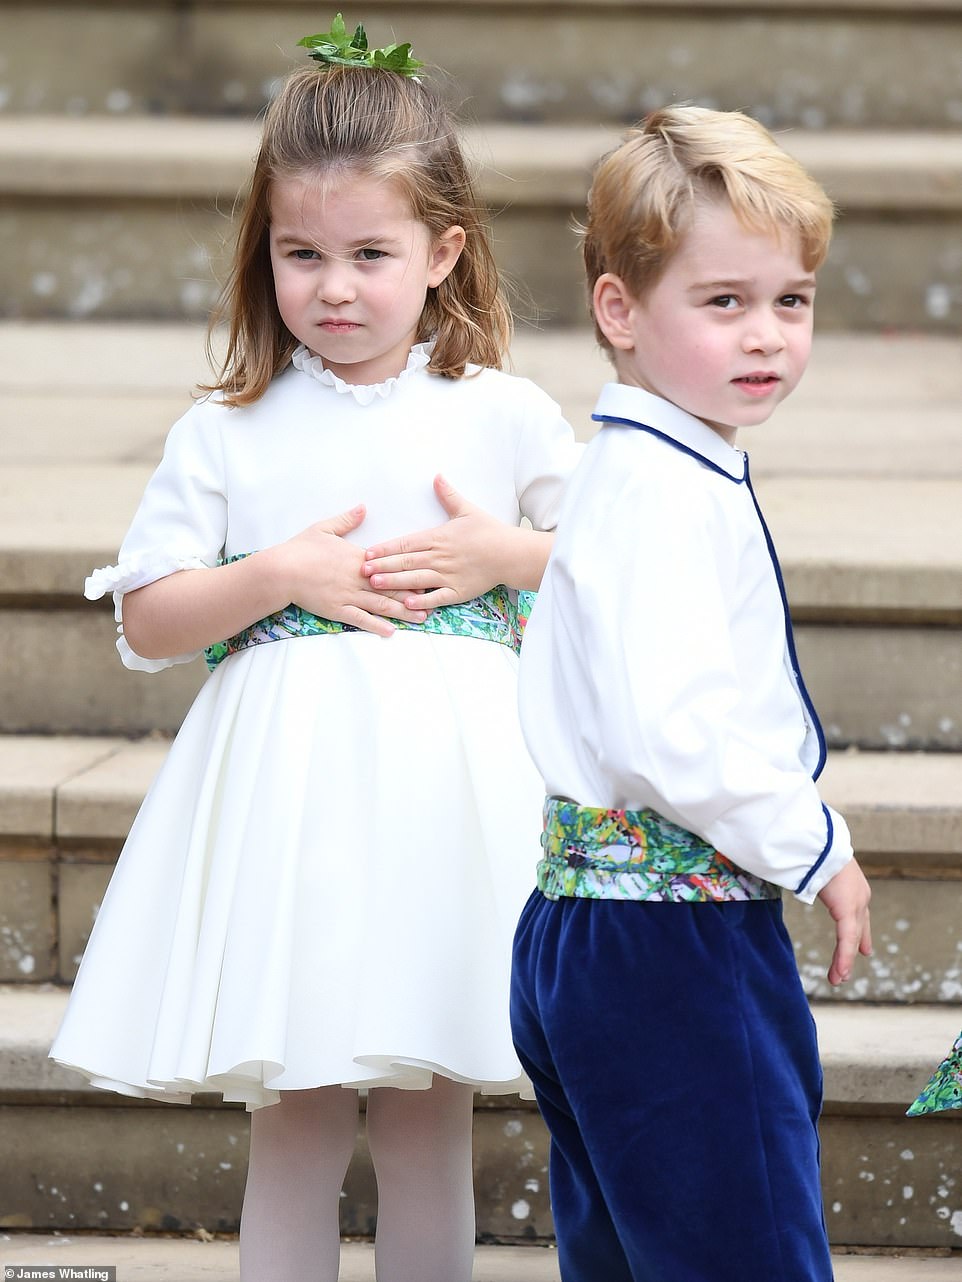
(793, 301)
(725, 301)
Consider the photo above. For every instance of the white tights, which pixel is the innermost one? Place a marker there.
(420, 1144)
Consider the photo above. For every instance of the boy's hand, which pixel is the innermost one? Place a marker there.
(447, 564)
(847, 897)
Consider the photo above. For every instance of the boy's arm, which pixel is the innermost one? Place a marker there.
(643, 602)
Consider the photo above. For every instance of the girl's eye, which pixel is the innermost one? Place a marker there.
(304, 255)
(369, 255)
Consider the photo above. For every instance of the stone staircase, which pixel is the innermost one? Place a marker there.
(124, 136)
(127, 133)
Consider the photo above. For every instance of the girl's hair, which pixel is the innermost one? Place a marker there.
(644, 193)
(348, 122)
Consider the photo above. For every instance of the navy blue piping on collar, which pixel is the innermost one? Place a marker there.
(789, 632)
(685, 449)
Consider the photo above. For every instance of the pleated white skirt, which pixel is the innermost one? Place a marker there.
(322, 884)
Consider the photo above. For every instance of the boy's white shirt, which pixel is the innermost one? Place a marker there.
(656, 667)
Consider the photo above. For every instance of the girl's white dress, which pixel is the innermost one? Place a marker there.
(323, 882)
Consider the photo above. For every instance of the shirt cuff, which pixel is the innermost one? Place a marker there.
(832, 858)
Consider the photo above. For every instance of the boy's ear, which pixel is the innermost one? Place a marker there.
(612, 304)
(446, 252)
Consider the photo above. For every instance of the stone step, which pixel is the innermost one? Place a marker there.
(156, 1259)
(865, 63)
(859, 474)
(66, 805)
(97, 1161)
(129, 217)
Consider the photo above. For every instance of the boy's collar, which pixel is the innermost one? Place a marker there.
(621, 403)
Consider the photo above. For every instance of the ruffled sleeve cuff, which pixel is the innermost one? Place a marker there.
(132, 573)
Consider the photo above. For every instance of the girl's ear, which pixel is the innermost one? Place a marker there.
(612, 305)
(446, 252)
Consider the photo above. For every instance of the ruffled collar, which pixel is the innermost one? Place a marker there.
(363, 393)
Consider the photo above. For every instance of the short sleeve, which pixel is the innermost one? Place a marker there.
(547, 454)
(180, 524)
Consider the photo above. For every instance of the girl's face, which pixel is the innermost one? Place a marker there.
(352, 269)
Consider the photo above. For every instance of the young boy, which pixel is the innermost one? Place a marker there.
(655, 1002)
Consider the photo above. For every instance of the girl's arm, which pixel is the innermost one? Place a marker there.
(316, 569)
(471, 553)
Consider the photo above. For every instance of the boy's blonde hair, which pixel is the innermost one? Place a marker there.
(341, 122)
(644, 193)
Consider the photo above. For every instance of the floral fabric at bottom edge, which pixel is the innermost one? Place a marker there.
(944, 1088)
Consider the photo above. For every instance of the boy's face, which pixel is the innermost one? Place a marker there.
(726, 331)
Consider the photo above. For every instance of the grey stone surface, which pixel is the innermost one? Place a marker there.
(868, 405)
(27, 937)
(167, 1168)
(917, 940)
(529, 165)
(900, 806)
(109, 1163)
(885, 687)
(828, 65)
(100, 803)
(853, 545)
(152, 1259)
(858, 472)
(129, 217)
(904, 810)
(874, 686)
(876, 1056)
(31, 772)
(886, 1181)
(80, 892)
(64, 676)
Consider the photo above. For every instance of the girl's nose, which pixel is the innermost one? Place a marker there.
(334, 284)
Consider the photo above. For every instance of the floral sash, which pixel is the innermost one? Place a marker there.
(591, 853)
(498, 615)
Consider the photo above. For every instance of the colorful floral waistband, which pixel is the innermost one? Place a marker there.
(498, 615)
(590, 853)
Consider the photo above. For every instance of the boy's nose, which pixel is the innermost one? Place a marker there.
(763, 333)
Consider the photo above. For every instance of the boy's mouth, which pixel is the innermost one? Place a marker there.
(755, 384)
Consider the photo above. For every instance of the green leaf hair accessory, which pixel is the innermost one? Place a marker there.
(335, 46)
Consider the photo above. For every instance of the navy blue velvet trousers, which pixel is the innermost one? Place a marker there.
(675, 1063)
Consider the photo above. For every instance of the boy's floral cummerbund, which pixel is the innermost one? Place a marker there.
(590, 853)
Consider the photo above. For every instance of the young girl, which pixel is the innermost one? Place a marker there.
(320, 889)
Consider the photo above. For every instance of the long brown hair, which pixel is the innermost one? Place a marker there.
(373, 123)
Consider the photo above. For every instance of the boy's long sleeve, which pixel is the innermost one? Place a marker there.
(657, 671)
